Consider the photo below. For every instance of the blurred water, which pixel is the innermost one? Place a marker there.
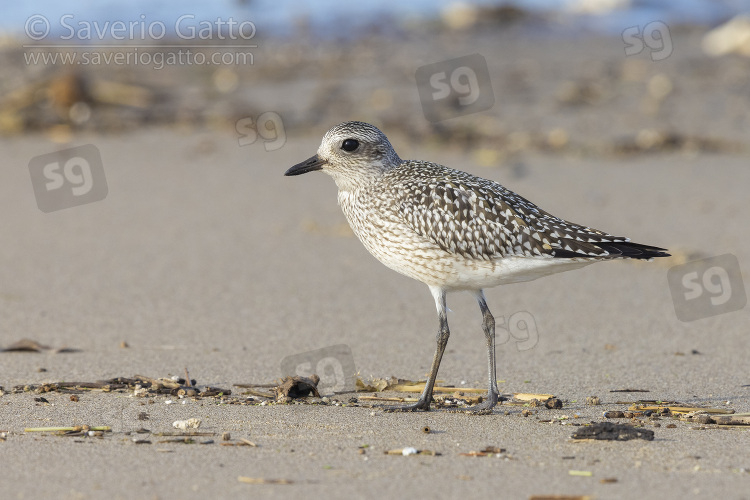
(329, 18)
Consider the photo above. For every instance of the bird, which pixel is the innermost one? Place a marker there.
(452, 231)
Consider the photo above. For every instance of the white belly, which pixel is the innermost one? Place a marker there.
(399, 247)
(471, 275)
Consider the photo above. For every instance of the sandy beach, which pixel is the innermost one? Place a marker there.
(202, 255)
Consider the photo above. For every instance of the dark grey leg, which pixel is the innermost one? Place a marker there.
(442, 340)
(488, 324)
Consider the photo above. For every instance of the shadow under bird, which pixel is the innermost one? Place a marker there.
(452, 230)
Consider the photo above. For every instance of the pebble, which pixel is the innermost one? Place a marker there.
(614, 414)
(191, 423)
(553, 403)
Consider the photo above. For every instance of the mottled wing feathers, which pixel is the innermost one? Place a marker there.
(480, 219)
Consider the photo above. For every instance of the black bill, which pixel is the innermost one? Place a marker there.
(309, 165)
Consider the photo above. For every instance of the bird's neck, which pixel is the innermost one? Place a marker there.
(347, 182)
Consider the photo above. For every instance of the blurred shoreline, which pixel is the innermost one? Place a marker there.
(332, 20)
(576, 96)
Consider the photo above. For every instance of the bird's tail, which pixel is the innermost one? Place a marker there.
(630, 250)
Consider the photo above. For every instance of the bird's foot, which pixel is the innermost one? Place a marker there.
(483, 408)
(418, 406)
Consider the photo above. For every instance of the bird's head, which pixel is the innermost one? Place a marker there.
(353, 153)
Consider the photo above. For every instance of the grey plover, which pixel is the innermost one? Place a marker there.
(452, 230)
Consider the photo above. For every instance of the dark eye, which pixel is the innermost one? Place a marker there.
(349, 145)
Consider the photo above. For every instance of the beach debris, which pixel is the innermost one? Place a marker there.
(70, 98)
(25, 345)
(459, 396)
(553, 403)
(262, 480)
(630, 390)
(593, 401)
(426, 429)
(287, 389)
(457, 400)
(614, 414)
(183, 440)
(297, 387)
(394, 399)
(141, 386)
(404, 385)
(736, 419)
(183, 433)
(488, 451)
(526, 396)
(252, 389)
(698, 417)
(608, 480)
(226, 436)
(684, 412)
(77, 430)
(28, 345)
(583, 473)
(650, 140)
(190, 423)
(676, 408)
(410, 450)
(379, 384)
(240, 442)
(610, 431)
